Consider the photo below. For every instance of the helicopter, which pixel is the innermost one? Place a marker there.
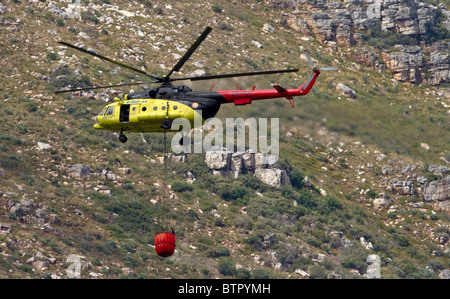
(155, 108)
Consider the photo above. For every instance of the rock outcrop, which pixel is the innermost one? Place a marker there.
(262, 166)
(405, 65)
(438, 194)
(341, 23)
(350, 23)
(439, 65)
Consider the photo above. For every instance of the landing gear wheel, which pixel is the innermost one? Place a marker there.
(166, 124)
(123, 138)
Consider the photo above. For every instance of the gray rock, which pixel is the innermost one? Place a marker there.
(385, 169)
(198, 73)
(401, 187)
(217, 159)
(268, 28)
(41, 265)
(3, 9)
(274, 177)
(79, 171)
(436, 169)
(438, 193)
(20, 208)
(444, 274)
(383, 202)
(346, 91)
(44, 146)
(421, 180)
(268, 239)
(405, 66)
(40, 213)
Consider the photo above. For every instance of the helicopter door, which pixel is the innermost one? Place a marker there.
(124, 113)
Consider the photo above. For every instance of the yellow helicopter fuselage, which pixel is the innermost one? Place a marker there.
(144, 115)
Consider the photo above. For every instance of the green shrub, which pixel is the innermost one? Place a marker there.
(230, 191)
(296, 177)
(226, 266)
(318, 272)
(402, 240)
(260, 274)
(181, 186)
(216, 8)
(52, 56)
(243, 273)
(219, 252)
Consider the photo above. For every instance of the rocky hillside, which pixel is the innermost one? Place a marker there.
(408, 36)
(363, 165)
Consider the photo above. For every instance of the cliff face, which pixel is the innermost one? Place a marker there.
(412, 24)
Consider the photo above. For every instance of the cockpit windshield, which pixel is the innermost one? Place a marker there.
(103, 111)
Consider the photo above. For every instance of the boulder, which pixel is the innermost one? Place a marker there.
(44, 147)
(273, 177)
(4, 229)
(217, 159)
(79, 171)
(438, 193)
(436, 169)
(268, 28)
(401, 187)
(382, 203)
(268, 239)
(301, 273)
(248, 161)
(40, 265)
(444, 274)
(346, 91)
(20, 208)
(385, 169)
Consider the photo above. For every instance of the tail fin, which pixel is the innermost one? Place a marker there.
(281, 89)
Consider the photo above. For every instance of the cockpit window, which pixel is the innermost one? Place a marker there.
(110, 110)
(103, 111)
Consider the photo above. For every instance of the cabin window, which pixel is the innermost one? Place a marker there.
(175, 107)
(163, 108)
(110, 110)
(144, 108)
(155, 108)
(103, 111)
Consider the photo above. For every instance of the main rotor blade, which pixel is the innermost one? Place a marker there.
(189, 52)
(108, 59)
(235, 75)
(109, 86)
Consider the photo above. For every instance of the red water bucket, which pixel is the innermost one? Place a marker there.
(165, 244)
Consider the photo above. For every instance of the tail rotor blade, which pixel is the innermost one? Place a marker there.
(329, 69)
(308, 57)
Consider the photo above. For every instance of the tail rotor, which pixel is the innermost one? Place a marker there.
(315, 69)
